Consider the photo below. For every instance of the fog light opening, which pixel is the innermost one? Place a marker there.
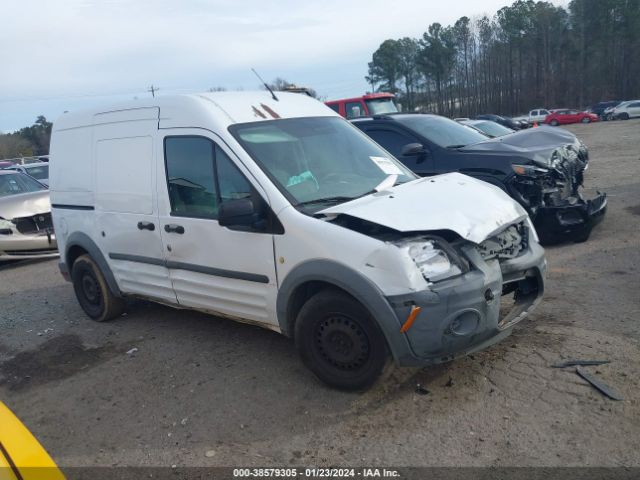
(465, 324)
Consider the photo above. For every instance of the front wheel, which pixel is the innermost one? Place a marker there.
(554, 123)
(92, 291)
(624, 116)
(586, 120)
(339, 341)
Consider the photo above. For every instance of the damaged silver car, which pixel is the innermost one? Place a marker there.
(26, 230)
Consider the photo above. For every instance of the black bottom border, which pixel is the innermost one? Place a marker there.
(397, 473)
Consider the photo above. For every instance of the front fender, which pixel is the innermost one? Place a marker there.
(355, 284)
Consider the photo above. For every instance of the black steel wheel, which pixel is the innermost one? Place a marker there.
(92, 291)
(339, 341)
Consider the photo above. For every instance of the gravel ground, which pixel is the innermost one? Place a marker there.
(204, 391)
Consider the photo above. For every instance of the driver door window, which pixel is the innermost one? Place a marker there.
(200, 176)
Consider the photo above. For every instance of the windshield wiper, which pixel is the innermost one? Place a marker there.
(327, 200)
(455, 146)
(388, 182)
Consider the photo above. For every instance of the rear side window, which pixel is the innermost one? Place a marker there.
(335, 107)
(354, 109)
(200, 176)
(391, 140)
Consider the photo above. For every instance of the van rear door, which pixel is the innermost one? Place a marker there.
(126, 212)
(212, 268)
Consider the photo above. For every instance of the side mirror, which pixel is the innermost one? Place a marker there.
(413, 150)
(237, 213)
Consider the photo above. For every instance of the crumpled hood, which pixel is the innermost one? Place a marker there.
(537, 144)
(24, 204)
(472, 208)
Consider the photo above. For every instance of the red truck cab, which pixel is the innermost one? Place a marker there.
(366, 105)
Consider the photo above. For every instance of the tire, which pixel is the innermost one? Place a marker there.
(586, 120)
(623, 116)
(339, 341)
(92, 292)
(554, 123)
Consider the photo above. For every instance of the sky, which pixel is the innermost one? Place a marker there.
(58, 55)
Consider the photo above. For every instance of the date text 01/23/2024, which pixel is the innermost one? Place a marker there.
(315, 473)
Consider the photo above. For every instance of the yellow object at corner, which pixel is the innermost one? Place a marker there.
(21, 456)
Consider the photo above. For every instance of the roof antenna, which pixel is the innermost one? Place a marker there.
(273, 95)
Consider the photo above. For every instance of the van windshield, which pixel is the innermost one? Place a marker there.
(316, 162)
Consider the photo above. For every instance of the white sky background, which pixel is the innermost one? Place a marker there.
(58, 55)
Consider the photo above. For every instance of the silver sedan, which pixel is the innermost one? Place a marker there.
(26, 230)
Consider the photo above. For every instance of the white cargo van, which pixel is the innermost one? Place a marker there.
(282, 214)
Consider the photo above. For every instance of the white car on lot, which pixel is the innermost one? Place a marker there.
(280, 213)
(535, 116)
(626, 110)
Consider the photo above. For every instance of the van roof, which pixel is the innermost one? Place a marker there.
(223, 108)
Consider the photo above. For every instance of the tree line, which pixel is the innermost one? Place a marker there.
(528, 55)
(28, 141)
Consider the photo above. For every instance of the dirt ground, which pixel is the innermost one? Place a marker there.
(204, 391)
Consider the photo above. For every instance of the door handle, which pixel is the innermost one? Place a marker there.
(172, 227)
(146, 226)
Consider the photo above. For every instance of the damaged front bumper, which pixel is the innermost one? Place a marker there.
(555, 203)
(17, 246)
(466, 314)
(570, 221)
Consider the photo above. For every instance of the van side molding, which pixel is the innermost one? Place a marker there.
(216, 272)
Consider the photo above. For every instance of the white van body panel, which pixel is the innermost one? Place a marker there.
(109, 183)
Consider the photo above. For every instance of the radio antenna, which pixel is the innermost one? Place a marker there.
(273, 95)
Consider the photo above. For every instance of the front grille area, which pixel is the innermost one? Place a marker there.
(34, 224)
(509, 243)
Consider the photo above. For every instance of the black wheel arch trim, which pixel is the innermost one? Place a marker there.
(356, 285)
(82, 240)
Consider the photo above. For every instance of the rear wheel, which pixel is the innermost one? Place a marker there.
(554, 123)
(92, 291)
(339, 341)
